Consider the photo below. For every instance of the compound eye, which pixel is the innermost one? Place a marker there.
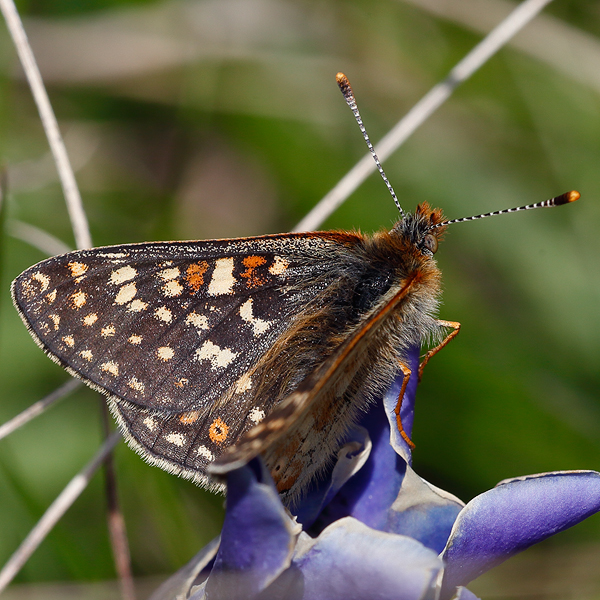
(430, 242)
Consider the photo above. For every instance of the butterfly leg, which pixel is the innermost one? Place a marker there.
(406, 372)
(455, 329)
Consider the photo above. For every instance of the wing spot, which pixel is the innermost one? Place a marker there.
(51, 297)
(256, 415)
(69, 340)
(165, 353)
(195, 275)
(218, 357)
(259, 325)
(169, 274)
(251, 263)
(87, 355)
(182, 382)
(77, 268)
(150, 423)
(171, 289)
(244, 383)
(42, 279)
(198, 321)
(189, 417)
(90, 319)
(78, 299)
(137, 306)
(108, 331)
(279, 266)
(137, 385)
(204, 452)
(163, 314)
(218, 431)
(177, 439)
(110, 367)
(136, 340)
(119, 276)
(55, 320)
(222, 279)
(126, 293)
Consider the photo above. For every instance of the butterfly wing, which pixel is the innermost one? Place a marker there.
(173, 333)
(316, 406)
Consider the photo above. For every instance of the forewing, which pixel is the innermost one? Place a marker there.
(170, 332)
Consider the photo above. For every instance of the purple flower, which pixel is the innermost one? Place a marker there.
(374, 529)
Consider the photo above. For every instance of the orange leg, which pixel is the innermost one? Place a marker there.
(406, 373)
(455, 329)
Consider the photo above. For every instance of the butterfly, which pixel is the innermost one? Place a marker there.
(212, 352)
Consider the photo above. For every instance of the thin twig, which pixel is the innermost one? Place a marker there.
(422, 110)
(36, 237)
(65, 172)
(55, 511)
(116, 522)
(39, 407)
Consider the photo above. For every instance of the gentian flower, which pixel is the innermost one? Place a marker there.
(373, 529)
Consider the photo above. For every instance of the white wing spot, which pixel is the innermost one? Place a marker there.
(172, 289)
(136, 340)
(204, 452)
(112, 254)
(178, 439)
(90, 319)
(108, 331)
(169, 274)
(165, 353)
(244, 383)
(126, 293)
(136, 384)
(56, 320)
(43, 280)
(86, 354)
(69, 340)
(119, 276)
(259, 325)
(219, 358)
(77, 269)
(110, 367)
(222, 279)
(79, 299)
(137, 306)
(150, 423)
(256, 415)
(279, 266)
(163, 314)
(198, 321)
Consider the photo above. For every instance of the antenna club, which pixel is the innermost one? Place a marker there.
(571, 196)
(343, 84)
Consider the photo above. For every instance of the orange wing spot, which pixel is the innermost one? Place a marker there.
(251, 263)
(190, 417)
(181, 382)
(194, 275)
(218, 431)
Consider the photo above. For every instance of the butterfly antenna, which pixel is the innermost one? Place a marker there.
(344, 86)
(557, 201)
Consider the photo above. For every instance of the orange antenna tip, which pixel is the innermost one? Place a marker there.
(568, 197)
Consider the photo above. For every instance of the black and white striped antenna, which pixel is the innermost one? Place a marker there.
(344, 86)
(556, 201)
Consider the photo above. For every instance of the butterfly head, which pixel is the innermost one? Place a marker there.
(422, 230)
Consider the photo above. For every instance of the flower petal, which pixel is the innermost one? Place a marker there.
(258, 536)
(350, 561)
(514, 515)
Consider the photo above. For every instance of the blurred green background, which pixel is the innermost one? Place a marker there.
(220, 118)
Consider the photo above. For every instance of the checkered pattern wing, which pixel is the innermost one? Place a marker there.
(174, 333)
